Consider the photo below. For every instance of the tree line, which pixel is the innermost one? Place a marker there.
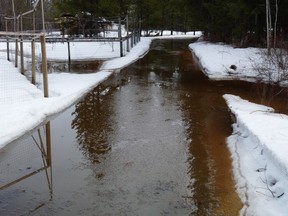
(241, 22)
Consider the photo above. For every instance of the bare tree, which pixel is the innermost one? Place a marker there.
(273, 67)
(275, 23)
(268, 26)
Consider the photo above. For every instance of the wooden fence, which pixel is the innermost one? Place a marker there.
(18, 54)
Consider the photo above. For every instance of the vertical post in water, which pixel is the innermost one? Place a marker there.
(44, 65)
(120, 37)
(33, 61)
(16, 52)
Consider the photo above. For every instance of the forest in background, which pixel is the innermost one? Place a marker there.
(240, 22)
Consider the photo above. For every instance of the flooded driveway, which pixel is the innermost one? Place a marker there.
(149, 141)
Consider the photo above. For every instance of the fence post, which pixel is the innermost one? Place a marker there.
(33, 60)
(139, 37)
(120, 37)
(127, 37)
(44, 65)
(16, 52)
(69, 55)
(8, 51)
(131, 40)
(22, 56)
(135, 37)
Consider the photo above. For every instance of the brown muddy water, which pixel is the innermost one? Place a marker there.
(148, 141)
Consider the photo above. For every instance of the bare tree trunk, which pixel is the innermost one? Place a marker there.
(275, 23)
(268, 26)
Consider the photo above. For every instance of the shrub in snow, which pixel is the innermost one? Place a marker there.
(272, 68)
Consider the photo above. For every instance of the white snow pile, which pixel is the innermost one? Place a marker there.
(259, 149)
(220, 61)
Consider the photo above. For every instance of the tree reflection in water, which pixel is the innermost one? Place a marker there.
(93, 123)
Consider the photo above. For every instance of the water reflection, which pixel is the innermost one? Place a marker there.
(75, 67)
(24, 162)
(92, 125)
(272, 95)
(92, 120)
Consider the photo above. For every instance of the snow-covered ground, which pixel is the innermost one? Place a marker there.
(259, 148)
(258, 144)
(216, 60)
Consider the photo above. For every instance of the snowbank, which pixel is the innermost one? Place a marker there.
(217, 60)
(136, 53)
(259, 149)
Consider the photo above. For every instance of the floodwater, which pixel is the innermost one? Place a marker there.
(84, 66)
(148, 141)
